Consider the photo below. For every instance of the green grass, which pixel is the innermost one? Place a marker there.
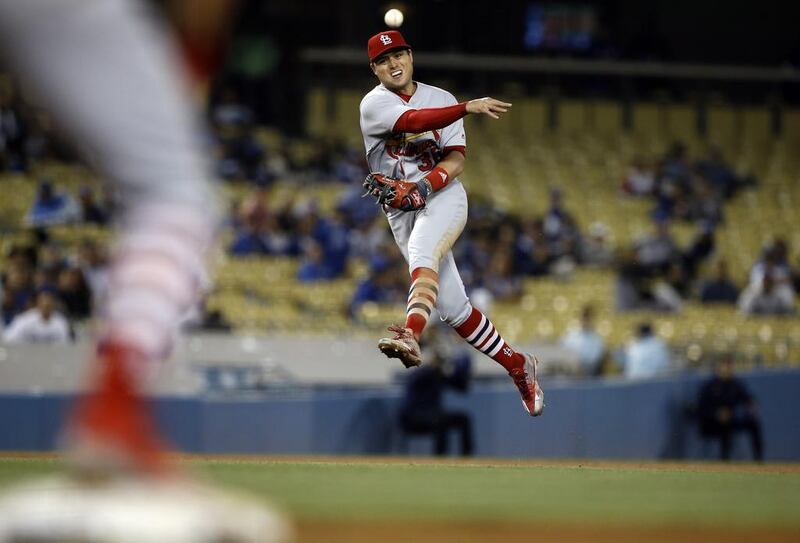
(351, 491)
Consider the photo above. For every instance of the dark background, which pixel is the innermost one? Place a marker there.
(263, 62)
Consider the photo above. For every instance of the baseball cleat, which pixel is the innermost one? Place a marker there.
(528, 385)
(403, 346)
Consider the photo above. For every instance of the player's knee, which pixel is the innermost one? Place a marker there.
(455, 314)
(415, 262)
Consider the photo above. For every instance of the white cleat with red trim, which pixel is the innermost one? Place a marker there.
(403, 346)
(526, 380)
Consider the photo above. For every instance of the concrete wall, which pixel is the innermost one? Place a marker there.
(583, 419)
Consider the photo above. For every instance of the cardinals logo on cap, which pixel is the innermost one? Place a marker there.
(385, 41)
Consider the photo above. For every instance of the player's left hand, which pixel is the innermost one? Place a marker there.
(488, 106)
(397, 193)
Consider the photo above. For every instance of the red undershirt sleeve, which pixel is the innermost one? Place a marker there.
(421, 120)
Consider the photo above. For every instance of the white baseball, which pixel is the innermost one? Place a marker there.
(393, 18)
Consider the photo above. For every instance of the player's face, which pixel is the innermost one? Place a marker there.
(394, 70)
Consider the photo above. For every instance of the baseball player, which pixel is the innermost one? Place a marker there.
(416, 148)
(110, 77)
(109, 74)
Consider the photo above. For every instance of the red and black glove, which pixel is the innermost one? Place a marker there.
(397, 193)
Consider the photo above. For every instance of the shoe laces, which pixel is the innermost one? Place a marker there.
(523, 381)
(400, 332)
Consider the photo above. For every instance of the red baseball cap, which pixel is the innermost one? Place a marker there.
(385, 41)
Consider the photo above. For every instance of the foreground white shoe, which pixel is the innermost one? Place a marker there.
(403, 346)
(126, 510)
(528, 385)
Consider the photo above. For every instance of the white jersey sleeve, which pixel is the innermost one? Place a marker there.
(380, 111)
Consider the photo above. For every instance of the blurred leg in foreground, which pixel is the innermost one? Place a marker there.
(112, 80)
(113, 83)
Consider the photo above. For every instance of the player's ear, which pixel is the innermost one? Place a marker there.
(373, 68)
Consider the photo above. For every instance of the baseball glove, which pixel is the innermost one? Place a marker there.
(396, 193)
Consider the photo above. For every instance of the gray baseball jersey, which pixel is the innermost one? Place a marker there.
(404, 155)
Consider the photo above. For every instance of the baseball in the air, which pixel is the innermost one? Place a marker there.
(393, 18)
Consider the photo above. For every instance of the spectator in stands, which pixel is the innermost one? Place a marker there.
(52, 259)
(93, 263)
(248, 242)
(595, 249)
(532, 255)
(672, 184)
(51, 207)
(722, 176)
(41, 324)
(767, 297)
(560, 227)
(359, 212)
(586, 344)
(640, 287)
(640, 179)
(499, 279)
(351, 167)
(335, 240)
(12, 131)
(240, 155)
(658, 250)
(18, 291)
(367, 238)
(646, 355)
(675, 165)
(632, 285)
(74, 293)
(726, 407)
(704, 204)
(476, 255)
(422, 410)
(258, 231)
(719, 289)
(775, 258)
(382, 285)
(329, 235)
(700, 248)
(91, 210)
(313, 266)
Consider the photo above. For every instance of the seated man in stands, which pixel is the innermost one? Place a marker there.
(767, 296)
(725, 407)
(381, 286)
(51, 207)
(646, 355)
(586, 343)
(41, 324)
(422, 411)
(91, 210)
(18, 291)
(719, 289)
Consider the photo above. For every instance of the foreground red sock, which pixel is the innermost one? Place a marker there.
(479, 332)
(113, 421)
